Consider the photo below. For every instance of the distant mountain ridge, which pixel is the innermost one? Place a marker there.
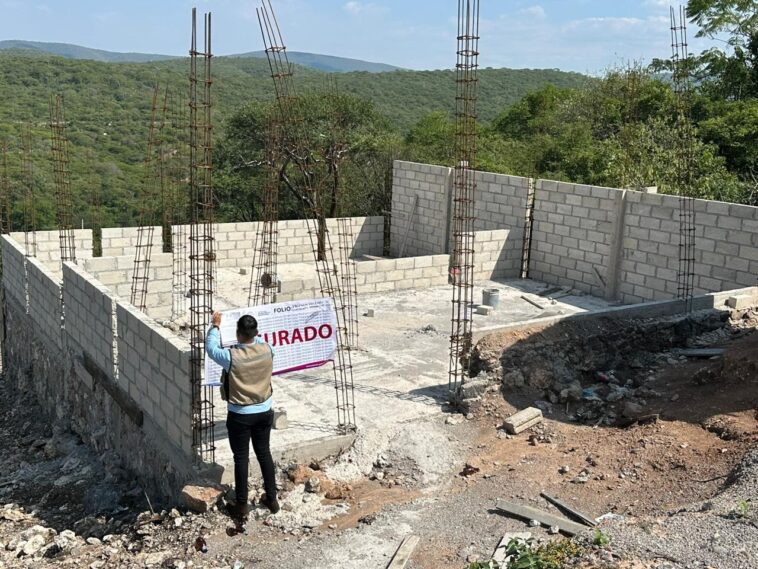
(326, 63)
(72, 51)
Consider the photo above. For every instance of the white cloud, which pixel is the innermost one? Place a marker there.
(358, 8)
(535, 11)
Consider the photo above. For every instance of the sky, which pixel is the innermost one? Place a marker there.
(587, 36)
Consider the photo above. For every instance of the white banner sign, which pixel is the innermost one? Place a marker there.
(303, 334)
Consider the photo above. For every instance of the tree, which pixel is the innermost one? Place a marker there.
(729, 74)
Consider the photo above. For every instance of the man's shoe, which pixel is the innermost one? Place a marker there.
(238, 511)
(272, 505)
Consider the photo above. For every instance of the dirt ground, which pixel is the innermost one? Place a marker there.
(681, 469)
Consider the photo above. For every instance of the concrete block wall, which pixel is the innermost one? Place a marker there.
(572, 235)
(501, 203)
(493, 255)
(398, 274)
(116, 273)
(235, 242)
(153, 368)
(428, 229)
(49, 248)
(726, 247)
(14, 271)
(90, 316)
(45, 307)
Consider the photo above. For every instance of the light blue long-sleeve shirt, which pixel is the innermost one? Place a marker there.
(223, 357)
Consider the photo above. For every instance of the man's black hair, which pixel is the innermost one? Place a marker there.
(247, 327)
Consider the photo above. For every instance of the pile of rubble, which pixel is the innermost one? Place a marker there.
(603, 371)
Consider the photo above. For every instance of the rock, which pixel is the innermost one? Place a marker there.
(456, 419)
(201, 498)
(514, 379)
(313, 485)
(178, 522)
(97, 564)
(534, 523)
(35, 543)
(155, 558)
(553, 530)
(299, 473)
(632, 410)
(572, 392)
(93, 541)
(564, 469)
(474, 388)
(582, 478)
(51, 449)
(13, 515)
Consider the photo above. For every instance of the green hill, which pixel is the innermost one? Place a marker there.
(108, 108)
(72, 51)
(328, 63)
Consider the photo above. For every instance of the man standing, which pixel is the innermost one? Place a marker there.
(246, 387)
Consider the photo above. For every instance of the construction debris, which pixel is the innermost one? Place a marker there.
(404, 552)
(545, 518)
(523, 420)
(569, 510)
(703, 352)
(532, 302)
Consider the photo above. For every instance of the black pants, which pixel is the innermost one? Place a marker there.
(241, 429)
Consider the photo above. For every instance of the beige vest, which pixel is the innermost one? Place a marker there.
(249, 379)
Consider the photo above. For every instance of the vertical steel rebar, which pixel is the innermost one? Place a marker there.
(264, 279)
(62, 176)
(464, 193)
(6, 200)
(30, 204)
(298, 153)
(526, 249)
(202, 255)
(147, 214)
(684, 156)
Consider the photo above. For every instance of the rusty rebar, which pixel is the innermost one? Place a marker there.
(464, 193)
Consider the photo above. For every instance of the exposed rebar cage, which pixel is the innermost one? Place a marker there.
(264, 283)
(348, 276)
(5, 194)
(684, 156)
(202, 256)
(147, 215)
(306, 189)
(526, 249)
(30, 205)
(62, 176)
(464, 190)
(176, 166)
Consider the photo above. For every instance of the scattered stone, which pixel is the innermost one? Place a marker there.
(313, 485)
(564, 469)
(553, 530)
(35, 543)
(93, 541)
(632, 410)
(454, 419)
(468, 470)
(201, 498)
(534, 523)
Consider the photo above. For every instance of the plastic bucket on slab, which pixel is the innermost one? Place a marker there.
(491, 297)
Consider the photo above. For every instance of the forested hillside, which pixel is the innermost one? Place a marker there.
(108, 111)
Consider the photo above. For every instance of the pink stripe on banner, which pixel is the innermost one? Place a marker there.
(310, 365)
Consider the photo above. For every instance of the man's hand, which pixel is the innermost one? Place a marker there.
(216, 321)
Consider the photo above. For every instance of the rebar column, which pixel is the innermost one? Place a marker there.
(684, 161)
(62, 176)
(145, 228)
(264, 279)
(306, 189)
(202, 256)
(5, 194)
(464, 190)
(30, 204)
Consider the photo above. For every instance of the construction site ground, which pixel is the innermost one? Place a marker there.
(681, 486)
(400, 364)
